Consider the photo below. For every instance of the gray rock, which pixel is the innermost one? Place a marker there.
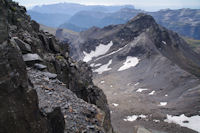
(141, 130)
(31, 59)
(40, 66)
(35, 25)
(19, 104)
(53, 46)
(3, 25)
(24, 47)
(50, 75)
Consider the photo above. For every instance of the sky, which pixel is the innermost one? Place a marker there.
(148, 5)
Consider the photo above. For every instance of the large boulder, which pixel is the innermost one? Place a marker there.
(24, 47)
(31, 59)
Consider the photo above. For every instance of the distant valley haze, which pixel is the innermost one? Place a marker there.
(147, 5)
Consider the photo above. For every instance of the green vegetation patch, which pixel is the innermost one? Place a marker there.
(193, 43)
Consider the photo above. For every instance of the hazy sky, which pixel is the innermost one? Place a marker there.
(139, 4)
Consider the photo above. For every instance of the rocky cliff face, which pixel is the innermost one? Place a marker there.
(42, 88)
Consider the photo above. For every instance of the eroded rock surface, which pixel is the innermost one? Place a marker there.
(52, 75)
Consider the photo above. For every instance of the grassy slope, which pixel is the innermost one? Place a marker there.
(194, 44)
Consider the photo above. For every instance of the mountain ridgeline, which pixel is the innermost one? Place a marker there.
(56, 14)
(138, 56)
(186, 22)
(42, 89)
(78, 18)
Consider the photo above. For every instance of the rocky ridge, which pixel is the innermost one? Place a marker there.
(145, 70)
(33, 61)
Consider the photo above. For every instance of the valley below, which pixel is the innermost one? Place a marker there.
(139, 103)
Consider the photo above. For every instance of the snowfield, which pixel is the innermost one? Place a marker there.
(115, 104)
(141, 90)
(134, 117)
(130, 62)
(164, 42)
(152, 93)
(162, 104)
(192, 122)
(103, 68)
(100, 50)
(96, 65)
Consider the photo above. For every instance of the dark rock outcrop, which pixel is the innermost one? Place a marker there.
(18, 99)
(23, 45)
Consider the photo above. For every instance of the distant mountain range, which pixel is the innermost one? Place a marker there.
(72, 8)
(56, 14)
(49, 19)
(78, 17)
(184, 21)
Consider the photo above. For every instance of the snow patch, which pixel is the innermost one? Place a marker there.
(115, 104)
(99, 64)
(156, 121)
(130, 62)
(102, 82)
(162, 104)
(110, 53)
(184, 121)
(164, 42)
(152, 93)
(166, 95)
(134, 117)
(104, 68)
(129, 84)
(136, 84)
(141, 90)
(92, 65)
(99, 50)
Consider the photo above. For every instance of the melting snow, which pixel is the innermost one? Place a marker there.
(115, 104)
(156, 121)
(134, 117)
(192, 122)
(152, 93)
(164, 42)
(102, 82)
(141, 90)
(97, 65)
(104, 68)
(92, 65)
(163, 104)
(111, 53)
(137, 83)
(128, 84)
(130, 62)
(100, 50)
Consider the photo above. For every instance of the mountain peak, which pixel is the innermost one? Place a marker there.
(142, 17)
(140, 22)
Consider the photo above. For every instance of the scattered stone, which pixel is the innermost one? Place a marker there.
(31, 59)
(40, 66)
(50, 75)
(141, 130)
(24, 47)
